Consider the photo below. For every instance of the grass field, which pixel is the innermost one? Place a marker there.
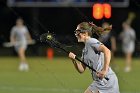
(58, 76)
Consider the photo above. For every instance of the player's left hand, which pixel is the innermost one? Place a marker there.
(30, 41)
(101, 74)
(72, 56)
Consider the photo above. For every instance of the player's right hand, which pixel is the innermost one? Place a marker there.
(13, 43)
(72, 55)
(101, 74)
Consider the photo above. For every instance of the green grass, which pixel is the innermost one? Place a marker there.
(58, 76)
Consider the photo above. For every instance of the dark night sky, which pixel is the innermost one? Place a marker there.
(62, 20)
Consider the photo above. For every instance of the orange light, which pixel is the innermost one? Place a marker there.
(107, 10)
(98, 11)
(50, 53)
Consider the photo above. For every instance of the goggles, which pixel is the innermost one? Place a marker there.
(78, 31)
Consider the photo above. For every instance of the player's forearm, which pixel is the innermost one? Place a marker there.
(12, 39)
(113, 43)
(78, 66)
(28, 36)
(107, 58)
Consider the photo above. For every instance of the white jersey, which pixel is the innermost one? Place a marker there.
(19, 33)
(128, 40)
(95, 59)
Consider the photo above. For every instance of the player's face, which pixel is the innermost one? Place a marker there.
(80, 36)
(19, 22)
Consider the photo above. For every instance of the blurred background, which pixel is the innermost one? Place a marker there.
(53, 72)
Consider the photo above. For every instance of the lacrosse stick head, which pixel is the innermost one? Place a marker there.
(46, 37)
(50, 39)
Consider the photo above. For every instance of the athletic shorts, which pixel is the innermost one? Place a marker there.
(129, 48)
(104, 86)
(24, 46)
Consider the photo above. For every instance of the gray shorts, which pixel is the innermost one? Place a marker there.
(104, 86)
(24, 46)
(129, 48)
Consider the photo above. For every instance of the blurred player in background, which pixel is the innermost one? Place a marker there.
(97, 56)
(109, 40)
(19, 37)
(128, 38)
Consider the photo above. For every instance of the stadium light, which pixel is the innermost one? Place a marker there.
(101, 10)
(107, 10)
(98, 11)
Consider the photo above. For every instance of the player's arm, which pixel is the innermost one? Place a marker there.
(12, 36)
(78, 65)
(121, 35)
(113, 43)
(28, 36)
(133, 35)
(12, 39)
(29, 39)
(107, 58)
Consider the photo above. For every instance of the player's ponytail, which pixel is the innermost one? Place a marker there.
(99, 30)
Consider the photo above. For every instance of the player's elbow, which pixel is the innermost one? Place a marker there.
(107, 51)
(81, 71)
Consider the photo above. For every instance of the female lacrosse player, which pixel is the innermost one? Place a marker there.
(19, 37)
(128, 38)
(97, 56)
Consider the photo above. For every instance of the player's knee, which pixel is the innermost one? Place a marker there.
(88, 91)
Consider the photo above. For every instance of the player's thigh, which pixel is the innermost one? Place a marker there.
(89, 91)
(21, 51)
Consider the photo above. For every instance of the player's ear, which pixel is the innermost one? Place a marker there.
(84, 34)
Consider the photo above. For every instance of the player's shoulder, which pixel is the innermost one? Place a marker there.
(25, 27)
(133, 30)
(14, 28)
(93, 40)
